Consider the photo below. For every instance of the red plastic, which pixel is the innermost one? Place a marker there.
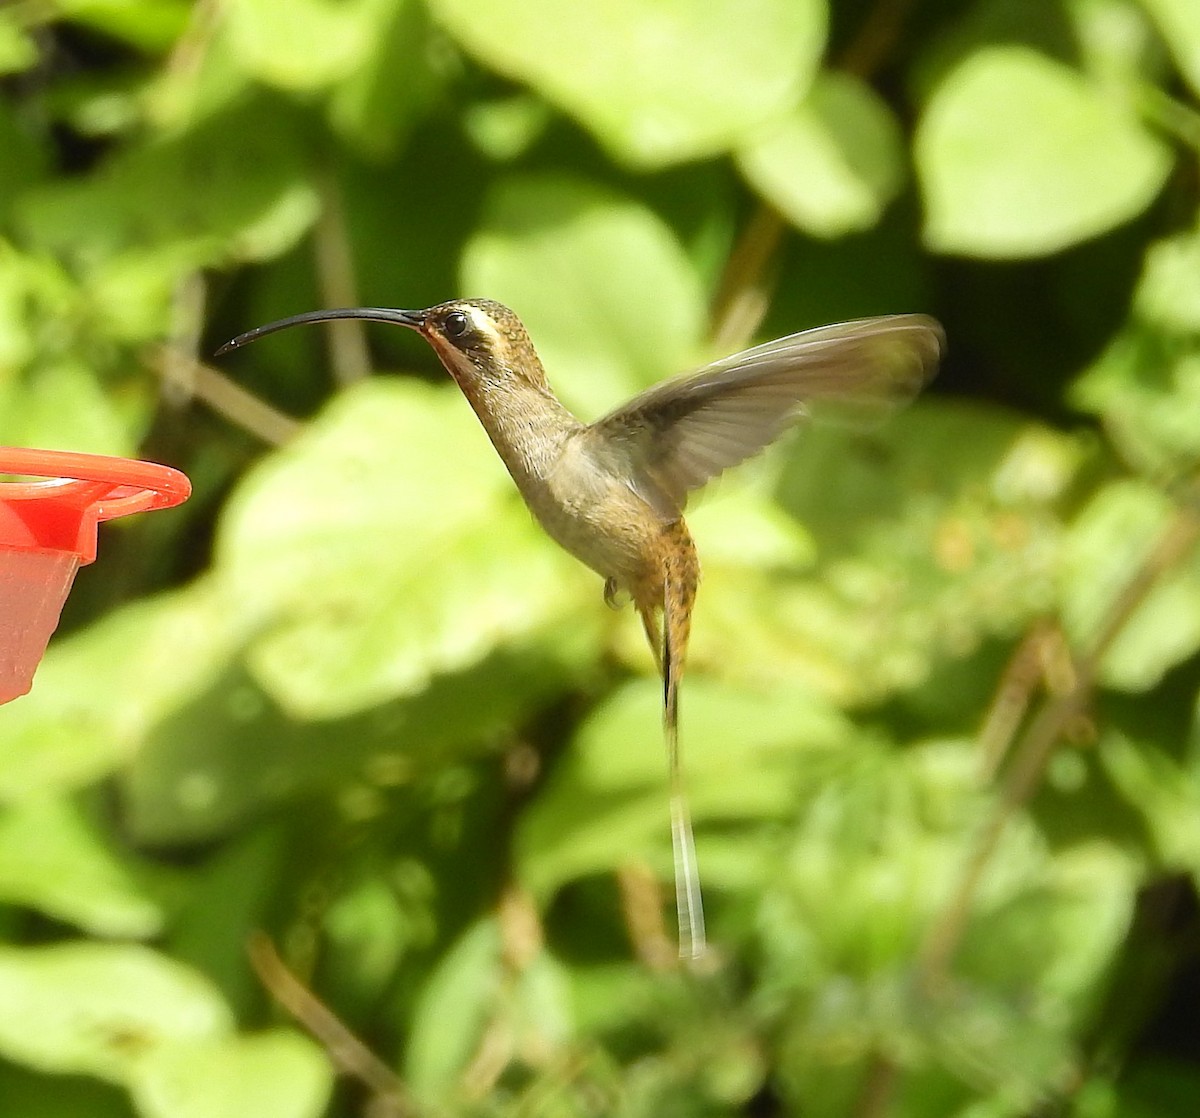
(48, 530)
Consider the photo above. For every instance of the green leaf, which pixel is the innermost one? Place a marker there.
(1115, 45)
(877, 834)
(62, 405)
(1146, 383)
(1179, 23)
(305, 44)
(477, 991)
(606, 801)
(1166, 794)
(657, 82)
(276, 1074)
(1077, 906)
(17, 50)
(179, 98)
(99, 692)
(223, 898)
(1168, 294)
(228, 189)
(746, 528)
(149, 25)
(101, 1009)
(453, 1010)
(384, 546)
(375, 106)
(231, 753)
(833, 165)
(506, 127)
(608, 294)
(55, 860)
(1103, 554)
(1020, 156)
(133, 296)
(932, 533)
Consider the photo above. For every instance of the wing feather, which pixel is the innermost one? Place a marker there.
(688, 429)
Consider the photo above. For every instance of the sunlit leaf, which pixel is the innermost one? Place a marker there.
(917, 561)
(832, 165)
(1146, 383)
(231, 752)
(385, 546)
(459, 999)
(54, 860)
(17, 50)
(606, 290)
(63, 406)
(1179, 23)
(1115, 43)
(607, 801)
(375, 105)
(657, 82)
(98, 693)
(180, 97)
(1166, 794)
(149, 25)
(304, 45)
(228, 189)
(277, 1074)
(1020, 156)
(101, 1009)
(1102, 558)
(1169, 292)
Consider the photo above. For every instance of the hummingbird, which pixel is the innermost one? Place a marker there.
(612, 492)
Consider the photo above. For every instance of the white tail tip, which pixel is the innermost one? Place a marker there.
(688, 901)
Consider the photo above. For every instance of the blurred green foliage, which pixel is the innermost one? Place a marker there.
(940, 721)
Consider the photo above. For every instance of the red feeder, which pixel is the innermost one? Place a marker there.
(48, 530)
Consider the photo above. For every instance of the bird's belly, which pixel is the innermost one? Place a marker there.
(609, 528)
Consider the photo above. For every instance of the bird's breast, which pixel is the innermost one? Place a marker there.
(585, 503)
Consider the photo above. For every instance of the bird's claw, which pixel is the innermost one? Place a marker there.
(615, 597)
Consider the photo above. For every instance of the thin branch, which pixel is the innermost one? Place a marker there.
(743, 294)
(876, 37)
(188, 302)
(642, 908)
(184, 62)
(348, 352)
(1177, 119)
(226, 397)
(347, 1053)
(1029, 666)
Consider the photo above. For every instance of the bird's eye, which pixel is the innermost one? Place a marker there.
(455, 324)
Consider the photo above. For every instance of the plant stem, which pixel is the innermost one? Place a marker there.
(348, 1054)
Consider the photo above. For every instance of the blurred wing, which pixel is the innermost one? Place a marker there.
(688, 429)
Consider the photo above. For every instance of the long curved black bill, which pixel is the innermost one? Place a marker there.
(414, 320)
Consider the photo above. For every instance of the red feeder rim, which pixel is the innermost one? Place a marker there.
(48, 529)
(62, 512)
